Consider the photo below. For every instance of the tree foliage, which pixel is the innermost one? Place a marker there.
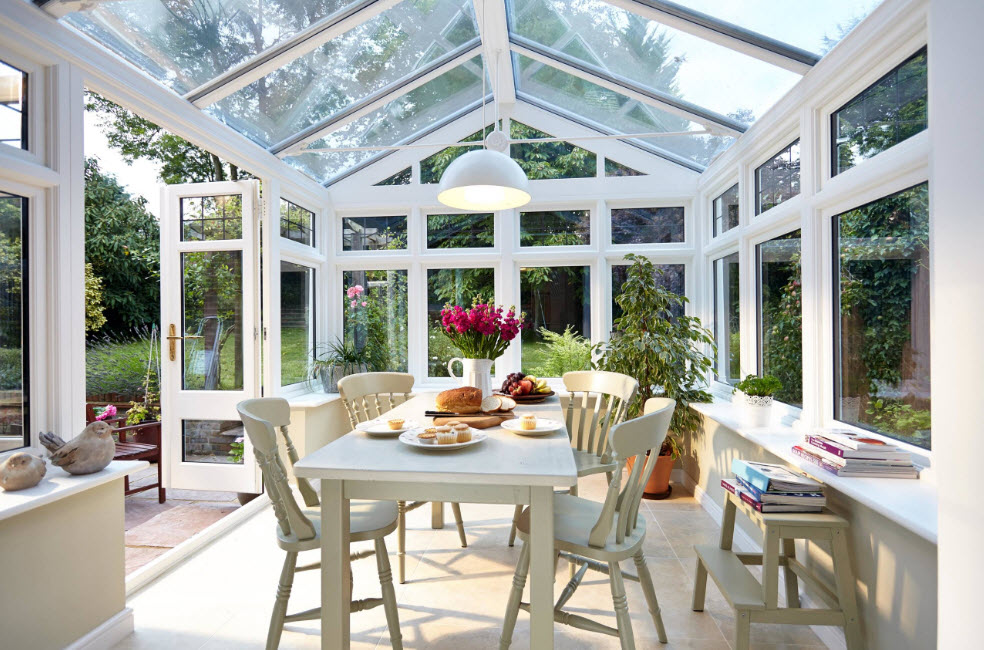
(94, 317)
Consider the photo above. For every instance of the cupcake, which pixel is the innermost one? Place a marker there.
(395, 424)
(463, 431)
(452, 423)
(442, 429)
(446, 437)
(527, 422)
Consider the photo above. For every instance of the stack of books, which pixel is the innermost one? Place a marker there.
(773, 488)
(848, 454)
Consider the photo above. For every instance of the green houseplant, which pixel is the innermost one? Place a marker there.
(759, 393)
(663, 352)
(338, 359)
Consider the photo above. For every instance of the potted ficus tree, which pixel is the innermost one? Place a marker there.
(758, 397)
(655, 342)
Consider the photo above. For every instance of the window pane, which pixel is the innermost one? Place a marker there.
(376, 323)
(401, 177)
(555, 228)
(726, 319)
(672, 278)
(475, 230)
(212, 441)
(432, 167)
(213, 313)
(613, 168)
(542, 160)
(554, 299)
(725, 209)
(374, 233)
(883, 115)
(13, 106)
(296, 223)
(454, 287)
(778, 179)
(647, 225)
(780, 326)
(882, 370)
(14, 389)
(211, 218)
(296, 322)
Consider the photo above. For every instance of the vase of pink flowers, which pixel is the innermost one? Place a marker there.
(482, 333)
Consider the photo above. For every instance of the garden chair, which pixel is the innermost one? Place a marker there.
(298, 531)
(367, 396)
(598, 536)
(598, 401)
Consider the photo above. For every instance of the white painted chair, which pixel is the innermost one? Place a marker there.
(598, 536)
(368, 396)
(598, 401)
(298, 530)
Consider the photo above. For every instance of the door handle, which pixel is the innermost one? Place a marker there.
(172, 336)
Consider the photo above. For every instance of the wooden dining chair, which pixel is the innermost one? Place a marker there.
(597, 401)
(299, 530)
(598, 536)
(368, 396)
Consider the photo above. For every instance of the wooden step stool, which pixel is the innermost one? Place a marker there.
(756, 602)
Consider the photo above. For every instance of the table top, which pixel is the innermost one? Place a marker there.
(503, 459)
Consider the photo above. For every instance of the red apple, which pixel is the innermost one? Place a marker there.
(527, 386)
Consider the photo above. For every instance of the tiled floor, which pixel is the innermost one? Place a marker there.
(454, 598)
(153, 528)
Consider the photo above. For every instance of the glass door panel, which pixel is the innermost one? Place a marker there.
(212, 317)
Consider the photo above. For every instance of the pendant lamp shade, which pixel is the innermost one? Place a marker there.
(484, 180)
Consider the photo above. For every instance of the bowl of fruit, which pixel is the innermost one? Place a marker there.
(525, 388)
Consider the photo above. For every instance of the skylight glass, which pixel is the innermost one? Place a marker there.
(399, 120)
(348, 68)
(616, 112)
(185, 44)
(811, 25)
(652, 55)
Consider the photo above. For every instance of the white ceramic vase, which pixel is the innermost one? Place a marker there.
(474, 372)
(758, 411)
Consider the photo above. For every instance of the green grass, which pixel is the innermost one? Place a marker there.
(535, 356)
(295, 353)
(116, 367)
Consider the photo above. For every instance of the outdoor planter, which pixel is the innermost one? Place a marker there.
(331, 375)
(658, 486)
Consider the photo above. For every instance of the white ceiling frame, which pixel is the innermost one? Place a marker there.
(289, 49)
(494, 28)
(378, 99)
(722, 33)
(712, 121)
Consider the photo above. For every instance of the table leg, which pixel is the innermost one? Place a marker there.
(437, 514)
(542, 568)
(336, 596)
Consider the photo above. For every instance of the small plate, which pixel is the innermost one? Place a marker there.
(379, 429)
(410, 438)
(543, 427)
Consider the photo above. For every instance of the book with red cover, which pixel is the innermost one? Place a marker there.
(834, 448)
(879, 471)
(775, 507)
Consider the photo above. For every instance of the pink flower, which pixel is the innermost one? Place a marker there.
(353, 304)
(365, 304)
(108, 411)
(354, 291)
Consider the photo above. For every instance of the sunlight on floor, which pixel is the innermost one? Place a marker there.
(453, 598)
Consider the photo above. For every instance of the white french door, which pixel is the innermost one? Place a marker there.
(210, 333)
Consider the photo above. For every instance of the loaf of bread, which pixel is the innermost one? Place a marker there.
(466, 399)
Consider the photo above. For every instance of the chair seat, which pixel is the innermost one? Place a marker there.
(367, 520)
(574, 517)
(590, 463)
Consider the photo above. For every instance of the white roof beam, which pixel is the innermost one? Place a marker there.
(494, 28)
(287, 50)
(378, 99)
(722, 32)
(663, 101)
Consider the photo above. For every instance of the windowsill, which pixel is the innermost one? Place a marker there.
(911, 503)
(311, 399)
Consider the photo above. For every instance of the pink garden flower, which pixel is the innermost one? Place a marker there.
(482, 332)
(109, 411)
(354, 291)
(365, 304)
(353, 304)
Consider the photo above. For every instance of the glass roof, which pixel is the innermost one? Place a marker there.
(605, 67)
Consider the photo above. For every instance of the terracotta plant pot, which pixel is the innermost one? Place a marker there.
(658, 486)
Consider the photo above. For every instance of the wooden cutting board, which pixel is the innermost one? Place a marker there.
(478, 421)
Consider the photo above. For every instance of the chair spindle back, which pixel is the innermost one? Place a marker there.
(611, 394)
(368, 395)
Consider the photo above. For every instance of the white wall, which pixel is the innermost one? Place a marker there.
(956, 95)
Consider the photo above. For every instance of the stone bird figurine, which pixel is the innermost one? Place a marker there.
(21, 471)
(88, 452)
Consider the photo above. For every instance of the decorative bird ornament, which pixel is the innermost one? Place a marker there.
(21, 471)
(88, 452)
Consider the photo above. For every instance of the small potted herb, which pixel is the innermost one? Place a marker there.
(759, 393)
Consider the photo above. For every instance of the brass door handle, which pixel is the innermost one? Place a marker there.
(172, 336)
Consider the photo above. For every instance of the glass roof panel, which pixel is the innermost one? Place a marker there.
(659, 57)
(811, 25)
(185, 44)
(616, 112)
(398, 120)
(347, 69)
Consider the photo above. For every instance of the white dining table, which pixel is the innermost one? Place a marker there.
(505, 468)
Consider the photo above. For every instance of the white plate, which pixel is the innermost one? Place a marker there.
(410, 438)
(378, 428)
(543, 427)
